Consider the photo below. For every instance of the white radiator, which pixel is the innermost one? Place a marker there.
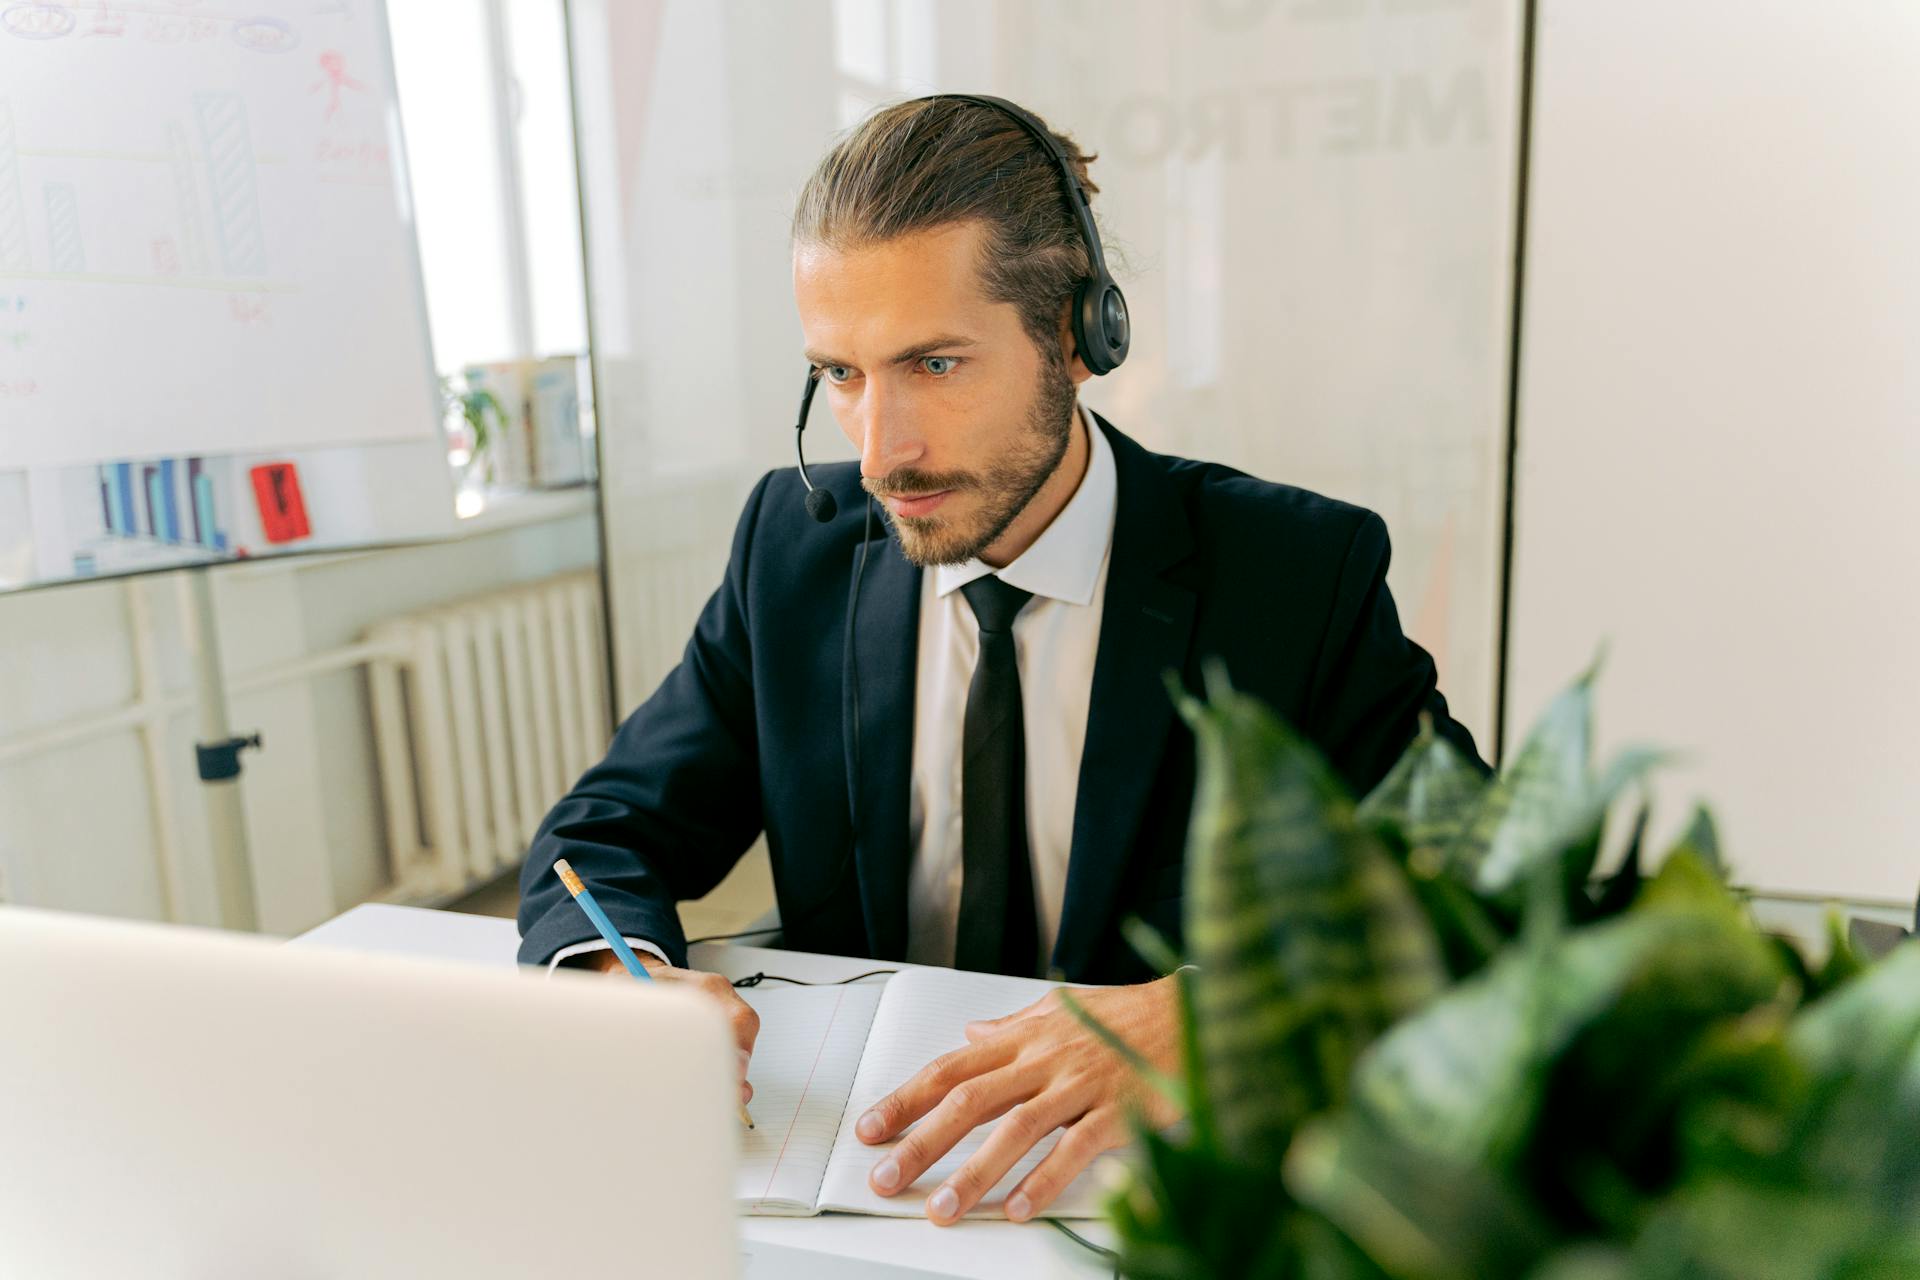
(484, 714)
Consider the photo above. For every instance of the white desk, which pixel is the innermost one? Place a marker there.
(840, 1246)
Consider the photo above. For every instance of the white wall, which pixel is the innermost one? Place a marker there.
(1720, 415)
(1311, 202)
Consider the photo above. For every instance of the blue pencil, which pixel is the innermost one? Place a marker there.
(600, 921)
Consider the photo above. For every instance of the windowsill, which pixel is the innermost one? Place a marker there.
(505, 509)
(511, 509)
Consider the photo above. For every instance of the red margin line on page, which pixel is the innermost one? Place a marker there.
(826, 1035)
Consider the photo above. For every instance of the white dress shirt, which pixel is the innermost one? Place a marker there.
(1055, 640)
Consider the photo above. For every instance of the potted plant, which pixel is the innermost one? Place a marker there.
(477, 422)
(1423, 1042)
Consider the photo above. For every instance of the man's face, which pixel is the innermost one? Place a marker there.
(958, 416)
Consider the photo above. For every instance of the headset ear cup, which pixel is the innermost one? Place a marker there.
(1116, 326)
(1082, 343)
(1089, 333)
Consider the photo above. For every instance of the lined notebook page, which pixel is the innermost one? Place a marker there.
(922, 1015)
(802, 1069)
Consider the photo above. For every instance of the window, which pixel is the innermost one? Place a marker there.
(489, 127)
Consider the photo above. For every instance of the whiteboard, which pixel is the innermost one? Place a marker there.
(205, 239)
(1717, 439)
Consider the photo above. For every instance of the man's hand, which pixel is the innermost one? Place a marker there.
(740, 1015)
(1040, 1069)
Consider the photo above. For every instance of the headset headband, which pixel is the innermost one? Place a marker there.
(1101, 329)
(1076, 194)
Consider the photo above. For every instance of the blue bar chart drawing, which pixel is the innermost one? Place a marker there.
(231, 178)
(193, 236)
(65, 249)
(13, 213)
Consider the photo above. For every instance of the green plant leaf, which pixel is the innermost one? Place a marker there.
(1726, 1096)
(1412, 1213)
(1862, 1045)
(1700, 1014)
(1419, 809)
(1460, 1080)
(1725, 1229)
(1563, 839)
(1619, 890)
(1871, 1019)
(1842, 961)
(1530, 791)
(1308, 939)
(1547, 809)
(1587, 1261)
(1465, 1078)
(1469, 934)
(1150, 945)
(1429, 795)
(1687, 882)
(1188, 1213)
(1702, 838)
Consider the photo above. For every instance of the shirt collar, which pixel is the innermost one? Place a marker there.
(1064, 561)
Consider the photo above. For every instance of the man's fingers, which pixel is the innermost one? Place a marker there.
(742, 1021)
(984, 1027)
(1015, 1135)
(924, 1091)
(1099, 1130)
(972, 1102)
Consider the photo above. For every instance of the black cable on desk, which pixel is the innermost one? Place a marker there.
(755, 979)
(1105, 1254)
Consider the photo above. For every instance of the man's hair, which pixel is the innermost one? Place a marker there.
(934, 162)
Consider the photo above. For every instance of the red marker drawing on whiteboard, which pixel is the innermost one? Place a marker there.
(333, 66)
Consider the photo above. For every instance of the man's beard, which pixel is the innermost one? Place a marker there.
(1005, 488)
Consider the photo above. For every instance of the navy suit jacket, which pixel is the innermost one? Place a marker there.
(754, 730)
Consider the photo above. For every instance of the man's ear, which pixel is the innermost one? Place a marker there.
(1069, 349)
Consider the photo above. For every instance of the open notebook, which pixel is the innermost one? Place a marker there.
(826, 1054)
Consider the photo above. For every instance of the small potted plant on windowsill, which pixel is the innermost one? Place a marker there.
(476, 423)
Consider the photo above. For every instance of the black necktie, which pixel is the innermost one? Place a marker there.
(997, 931)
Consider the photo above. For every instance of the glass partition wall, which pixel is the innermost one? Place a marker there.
(1310, 203)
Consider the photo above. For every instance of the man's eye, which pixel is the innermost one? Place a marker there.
(939, 366)
(836, 373)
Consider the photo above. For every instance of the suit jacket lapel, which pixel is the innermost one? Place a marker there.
(880, 670)
(1146, 624)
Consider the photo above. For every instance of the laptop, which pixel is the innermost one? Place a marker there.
(182, 1103)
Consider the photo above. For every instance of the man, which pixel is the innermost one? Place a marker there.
(956, 735)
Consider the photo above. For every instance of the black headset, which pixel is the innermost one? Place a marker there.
(1100, 334)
